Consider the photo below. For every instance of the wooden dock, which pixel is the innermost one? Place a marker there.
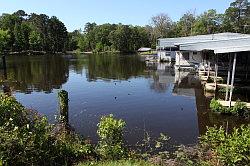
(226, 103)
(211, 86)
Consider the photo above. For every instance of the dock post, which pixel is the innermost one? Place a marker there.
(228, 75)
(6, 87)
(63, 106)
(232, 80)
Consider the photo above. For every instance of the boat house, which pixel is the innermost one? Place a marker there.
(210, 55)
(193, 51)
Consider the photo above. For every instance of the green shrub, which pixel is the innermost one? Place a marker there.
(240, 108)
(27, 138)
(110, 132)
(232, 149)
(216, 106)
(218, 147)
(12, 111)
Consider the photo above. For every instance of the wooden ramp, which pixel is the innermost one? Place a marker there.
(226, 103)
(211, 86)
(218, 85)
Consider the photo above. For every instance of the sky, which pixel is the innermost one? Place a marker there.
(75, 13)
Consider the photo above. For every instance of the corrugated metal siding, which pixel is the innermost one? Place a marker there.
(220, 46)
(170, 42)
(219, 43)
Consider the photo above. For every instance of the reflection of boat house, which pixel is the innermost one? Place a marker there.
(185, 84)
(162, 78)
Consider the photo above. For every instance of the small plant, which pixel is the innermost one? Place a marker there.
(110, 132)
(232, 149)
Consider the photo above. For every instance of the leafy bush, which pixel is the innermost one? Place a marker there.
(110, 132)
(232, 149)
(216, 106)
(27, 138)
(240, 108)
(12, 111)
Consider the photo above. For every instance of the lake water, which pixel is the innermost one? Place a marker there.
(150, 97)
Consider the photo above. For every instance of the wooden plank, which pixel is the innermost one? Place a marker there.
(202, 73)
(219, 85)
(205, 78)
(210, 87)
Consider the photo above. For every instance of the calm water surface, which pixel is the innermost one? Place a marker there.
(148, 96)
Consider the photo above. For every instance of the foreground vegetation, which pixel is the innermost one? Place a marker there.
(28, 139)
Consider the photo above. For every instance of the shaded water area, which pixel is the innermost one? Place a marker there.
(150, 97)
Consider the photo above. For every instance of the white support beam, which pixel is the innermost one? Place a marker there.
(216, 70)
(228, 75)
(209, 65)
(232, 80)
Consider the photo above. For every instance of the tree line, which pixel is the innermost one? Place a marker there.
(21, 32)
(39, 32)
(109, 37)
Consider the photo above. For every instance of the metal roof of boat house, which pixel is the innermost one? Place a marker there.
(219, 43)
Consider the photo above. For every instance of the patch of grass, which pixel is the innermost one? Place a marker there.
(118, 163)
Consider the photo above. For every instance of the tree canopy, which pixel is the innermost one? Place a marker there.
(33, 32)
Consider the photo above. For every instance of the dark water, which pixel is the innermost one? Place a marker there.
(149, 97)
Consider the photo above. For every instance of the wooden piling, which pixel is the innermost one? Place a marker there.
(63, 106)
